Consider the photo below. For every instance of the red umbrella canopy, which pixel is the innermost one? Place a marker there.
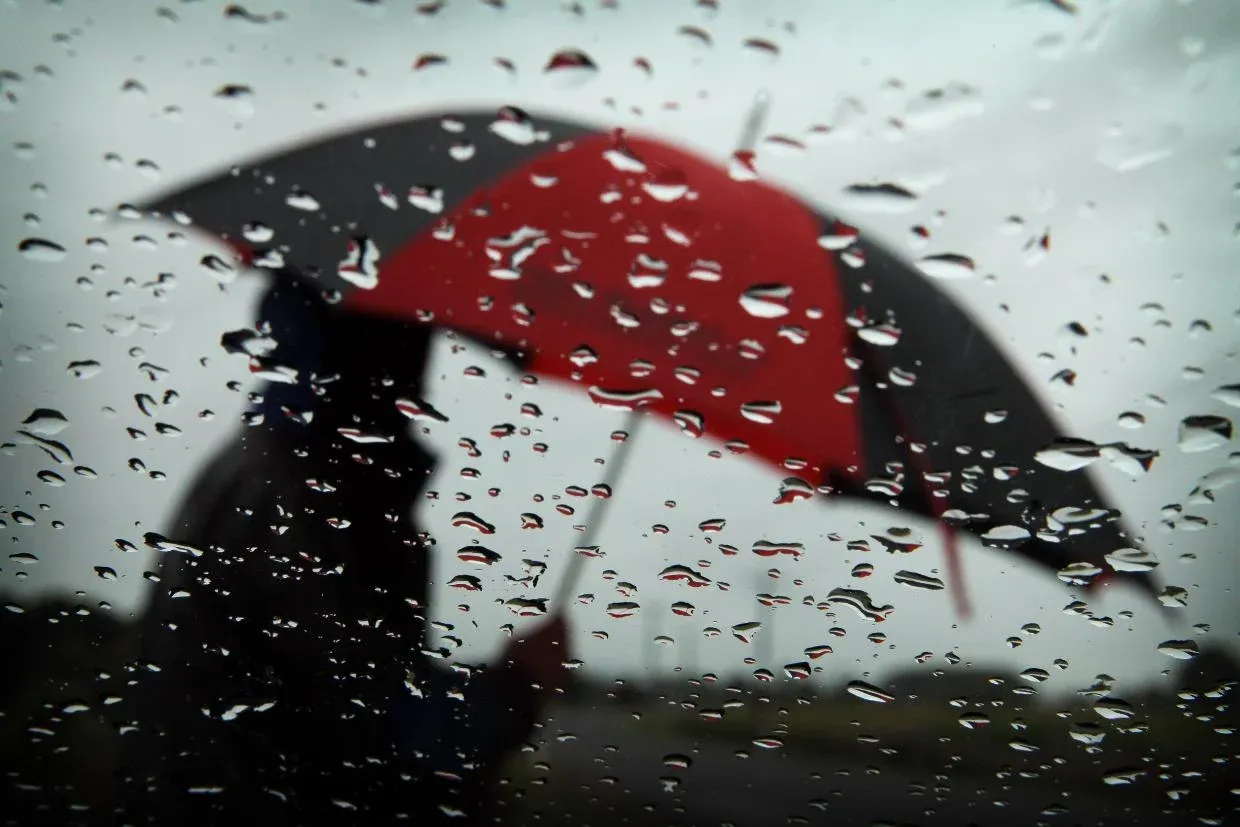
(654, 278)
(657, 278)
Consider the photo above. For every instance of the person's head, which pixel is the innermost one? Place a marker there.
(347, 364)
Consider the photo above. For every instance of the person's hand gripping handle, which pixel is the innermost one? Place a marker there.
(540, 655)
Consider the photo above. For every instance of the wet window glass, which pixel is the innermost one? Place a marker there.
(610, 412)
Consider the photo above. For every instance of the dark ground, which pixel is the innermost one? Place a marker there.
(603, 760)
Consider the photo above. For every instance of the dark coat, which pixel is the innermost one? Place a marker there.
(284, 678)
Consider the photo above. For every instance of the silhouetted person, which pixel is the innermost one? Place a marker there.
(292, 684)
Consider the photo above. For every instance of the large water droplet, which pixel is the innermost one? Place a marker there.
(1134, 462)
(692, 423)
(1203, 433)
(1079, 574)
(678, 761)
(793, 489)
(766, 301)
(869, 692)
(508, 253)
(51, 478)
(299, 199)
(1132, 559)
(222, 271)
(767, 50)
(1114, 709)
(148, 168)
(1179, 649)
(527, 607)
(45, 422)
(745, 632)
(479, 555)
(237, 99)
(839, 236)
(417, 409)
(703, 270)
(360, 266)
(917, 580)
(1068, 454)
(1003, 534)
(469, 519)
(743, 166)
(364, 437)
(465, 582)
(1123, 776)
(622, 609)
(647, 272)
(41, 250)
(1085, 732)
(84, 369)
(771, 548)
(624, 400)
(667, 185)
(1173, 597)
(515, 126)
(462, 151)
(696, 36)
(884, 487)
(426, 197)
(622, 158)
(241, 17)
(162, 544)
(860, 602)
(883, 335)
(901, 377)
(1035, 674)
(683, 574)
(429, 60)
(947, 266)
(1228, 395)
(256, 232)
(884, 198)
(570, 67)
(762, 412)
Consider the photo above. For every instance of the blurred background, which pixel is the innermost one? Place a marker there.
(1085, 155)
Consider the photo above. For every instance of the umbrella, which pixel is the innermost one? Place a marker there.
(665, 282)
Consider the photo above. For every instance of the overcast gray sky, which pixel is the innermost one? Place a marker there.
(1115, 130)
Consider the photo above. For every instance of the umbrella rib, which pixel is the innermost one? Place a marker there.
(576, 560)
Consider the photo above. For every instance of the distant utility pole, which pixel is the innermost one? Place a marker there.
(764, 650)
(765, 694)
(648, 632)
(690, 660)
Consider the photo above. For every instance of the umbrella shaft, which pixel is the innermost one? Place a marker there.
(576, 560)
(754, 122)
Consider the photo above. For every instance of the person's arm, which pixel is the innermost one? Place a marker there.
(458, 727)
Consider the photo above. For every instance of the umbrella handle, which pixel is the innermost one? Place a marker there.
(576, 560)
